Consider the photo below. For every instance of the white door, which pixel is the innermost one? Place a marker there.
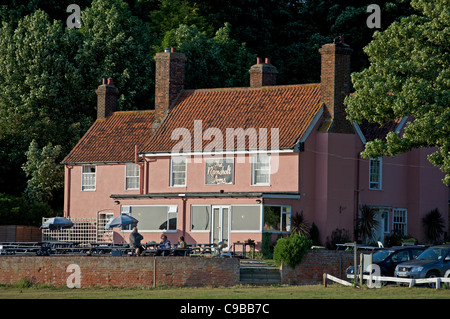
(220, 220)
(382, 217)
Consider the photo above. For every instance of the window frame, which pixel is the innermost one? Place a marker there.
(84, 174)
(260, 207)
(138, 177)
(184, 159)
(400, 220)
(282, 214)
(376, 185)
(210, 219)
(255, 158)
(128, 210)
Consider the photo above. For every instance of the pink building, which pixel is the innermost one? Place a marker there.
(230, 164)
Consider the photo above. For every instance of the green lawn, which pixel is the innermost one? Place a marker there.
(334, 291)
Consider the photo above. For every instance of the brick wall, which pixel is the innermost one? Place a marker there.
(121, 271)
(315, 263)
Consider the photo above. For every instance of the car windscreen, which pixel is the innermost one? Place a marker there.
(433, 253)
(381, 255)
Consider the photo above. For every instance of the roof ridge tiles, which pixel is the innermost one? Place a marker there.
(246, 88)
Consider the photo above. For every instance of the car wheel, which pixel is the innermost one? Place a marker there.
(432, 274)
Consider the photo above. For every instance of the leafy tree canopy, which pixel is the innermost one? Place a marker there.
(409, 76)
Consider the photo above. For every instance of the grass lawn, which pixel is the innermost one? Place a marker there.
(334, 291)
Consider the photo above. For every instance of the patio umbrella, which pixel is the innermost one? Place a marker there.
(57, 223)
(121, 220)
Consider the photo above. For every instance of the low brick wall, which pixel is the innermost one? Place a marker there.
(121, 271)
(314, 264)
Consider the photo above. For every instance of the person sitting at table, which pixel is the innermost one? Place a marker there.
(164, 247)
(181, 245)
(135, 241)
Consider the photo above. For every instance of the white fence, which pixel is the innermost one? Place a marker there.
(375, 281)
(84, 231)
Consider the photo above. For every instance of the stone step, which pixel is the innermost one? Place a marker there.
(259, 273)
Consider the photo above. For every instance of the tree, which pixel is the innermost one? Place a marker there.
(119, 45)
(49, 73)
(211, 62)
(45, 172)
(409, 76)
(41, 96)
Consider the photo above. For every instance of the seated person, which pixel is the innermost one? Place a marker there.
(181, 245)
(135, 242)
(164, 247)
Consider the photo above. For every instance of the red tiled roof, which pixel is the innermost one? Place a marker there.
(113, 139)
(289, 108)
(372, 131)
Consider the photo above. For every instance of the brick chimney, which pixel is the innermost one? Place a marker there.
(335, 85)
(169, 81)
(107, 95)
(262, 74)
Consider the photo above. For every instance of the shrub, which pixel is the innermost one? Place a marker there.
(266, 246)
(290, 250)
(338, 236)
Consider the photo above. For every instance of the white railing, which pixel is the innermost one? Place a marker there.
(375, 281)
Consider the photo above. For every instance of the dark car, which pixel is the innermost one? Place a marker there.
(387, 259)
(433, 262)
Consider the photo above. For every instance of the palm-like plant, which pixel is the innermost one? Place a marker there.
(434, 225)
(299, 225)
(367, 222)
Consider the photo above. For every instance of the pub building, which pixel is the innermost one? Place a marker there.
(229, 164)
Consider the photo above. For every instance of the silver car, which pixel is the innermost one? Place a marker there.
(433, 262)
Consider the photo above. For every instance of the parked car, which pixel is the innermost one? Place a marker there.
(387, 259)
(433, 262)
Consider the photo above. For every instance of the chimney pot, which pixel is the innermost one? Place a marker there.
(104, 81)
(263, 74)
(167, 50)
(173, 50)
(110, 81)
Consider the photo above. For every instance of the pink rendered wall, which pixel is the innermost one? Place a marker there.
(410, 181)
(284, 179)
(328, 181)
(110, 179)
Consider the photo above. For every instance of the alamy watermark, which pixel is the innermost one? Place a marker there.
(74, 279)
(74, 19)
(239, 142)
(374, 20)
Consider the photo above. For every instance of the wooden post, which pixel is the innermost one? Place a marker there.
(355, 263)
(325, 280)
(361, 270)
(154, 272)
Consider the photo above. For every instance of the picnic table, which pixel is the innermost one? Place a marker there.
(244, 248)
(12, 248)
